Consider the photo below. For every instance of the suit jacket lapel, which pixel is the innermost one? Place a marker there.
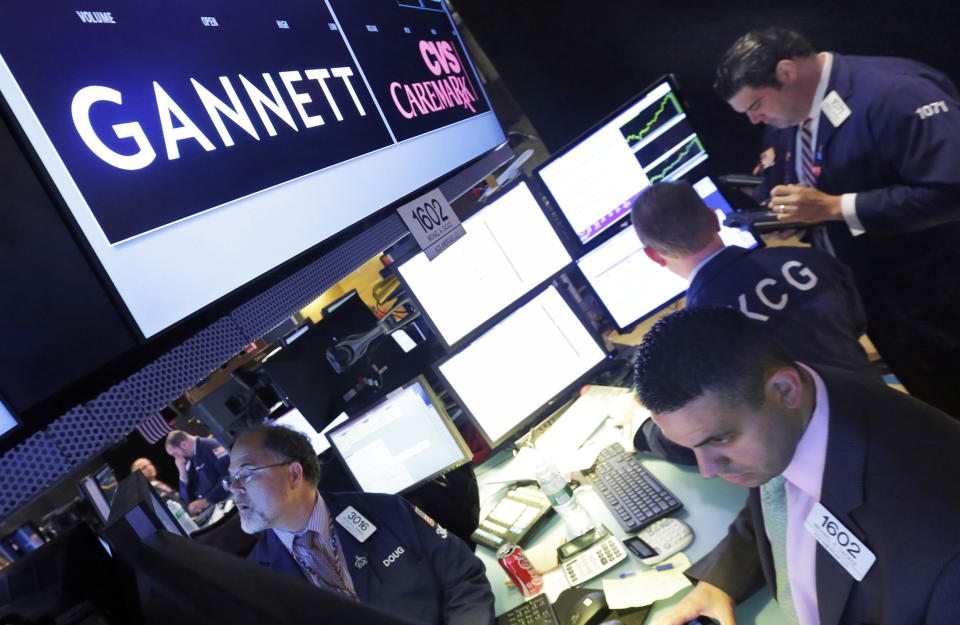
(356, 557)
(841, 493)
(840, 81)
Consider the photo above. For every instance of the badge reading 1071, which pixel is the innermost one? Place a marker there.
(432, 222)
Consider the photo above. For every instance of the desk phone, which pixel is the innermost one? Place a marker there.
(514, 519)
(590, 554)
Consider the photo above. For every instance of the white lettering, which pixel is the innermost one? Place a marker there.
(215, 106)
(96, 17)
(393, 556)
(934, 108)
(80, 110)
(188, 130)
(805, 272)
(780, 305)
(276, 104)
(321, 75)
(752, 315)
(345, 73)
(299, 99)
(209, 21)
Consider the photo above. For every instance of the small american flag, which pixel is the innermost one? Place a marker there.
(153, 428)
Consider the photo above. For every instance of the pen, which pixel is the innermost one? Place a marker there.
(627, 574)
(665, 567)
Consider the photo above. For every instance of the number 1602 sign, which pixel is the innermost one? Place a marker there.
(432, 222)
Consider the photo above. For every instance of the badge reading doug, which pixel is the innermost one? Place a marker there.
(432, 222)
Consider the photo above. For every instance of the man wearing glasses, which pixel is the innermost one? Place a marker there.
(374, 548)
(202, 463)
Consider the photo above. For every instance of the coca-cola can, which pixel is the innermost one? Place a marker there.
(518, 567)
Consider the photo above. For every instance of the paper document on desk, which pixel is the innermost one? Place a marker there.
(645, 587)
(565, 439)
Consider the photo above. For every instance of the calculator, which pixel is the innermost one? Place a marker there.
(590, 554)
(657, 542)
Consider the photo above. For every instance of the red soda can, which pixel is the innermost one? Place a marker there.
(519, 569)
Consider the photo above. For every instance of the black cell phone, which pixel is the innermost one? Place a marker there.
(639, 548)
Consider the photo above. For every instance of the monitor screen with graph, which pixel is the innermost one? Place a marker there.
(594, 180)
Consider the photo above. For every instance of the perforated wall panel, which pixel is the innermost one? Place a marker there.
(27, 469)
(78, 436)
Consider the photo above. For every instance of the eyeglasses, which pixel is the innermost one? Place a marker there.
(245, 474)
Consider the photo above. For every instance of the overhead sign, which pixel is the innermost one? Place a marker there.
(220, 102)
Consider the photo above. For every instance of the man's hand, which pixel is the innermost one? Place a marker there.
(181, 463)
(794, 202)
(705, 599)
(198, 506)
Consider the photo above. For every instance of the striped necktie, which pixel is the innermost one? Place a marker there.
(773, 495)
(322, 568)
(806, 153)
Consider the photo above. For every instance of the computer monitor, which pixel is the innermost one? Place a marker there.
(594, 180)
(530, 358)
(509, 249)
(138, 512)
(628, 284)
(405, 440)
(295, 420)
(90, 490)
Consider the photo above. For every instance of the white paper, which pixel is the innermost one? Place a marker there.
(645, 587)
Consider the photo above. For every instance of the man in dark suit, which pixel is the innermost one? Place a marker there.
(868, 147)
(375, 548)
(853, 514)
(806, 298)
(202, 464)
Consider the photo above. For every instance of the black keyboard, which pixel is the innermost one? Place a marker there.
(537, 611)
(634, 496)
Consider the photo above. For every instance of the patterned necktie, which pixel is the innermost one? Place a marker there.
(774, 498)
(316, 561)
(806, 153)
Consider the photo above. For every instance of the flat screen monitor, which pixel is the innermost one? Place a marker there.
(402, 442)
(629, 285)
(90, 490)
(295, 420)
(504, 377)
(170, 163)
(7, 421)
(594, 180)
(509, 249)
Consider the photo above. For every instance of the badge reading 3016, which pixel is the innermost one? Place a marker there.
(848, 550)
(432, 222)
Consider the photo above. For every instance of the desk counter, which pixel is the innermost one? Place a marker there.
(709, 507)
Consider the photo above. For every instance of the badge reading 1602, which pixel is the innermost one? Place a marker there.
(432, 222)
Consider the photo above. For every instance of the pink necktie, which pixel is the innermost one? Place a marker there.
(322, 568)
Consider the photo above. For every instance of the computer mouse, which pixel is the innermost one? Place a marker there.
(590, 610)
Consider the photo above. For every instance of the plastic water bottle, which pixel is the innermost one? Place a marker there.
(182, 517)
(562, 498)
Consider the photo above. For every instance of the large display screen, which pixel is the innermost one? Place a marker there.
(595, 179)
(506, 375)
(200, 144)
(509, 249)
(630, 286)
(401, 442)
